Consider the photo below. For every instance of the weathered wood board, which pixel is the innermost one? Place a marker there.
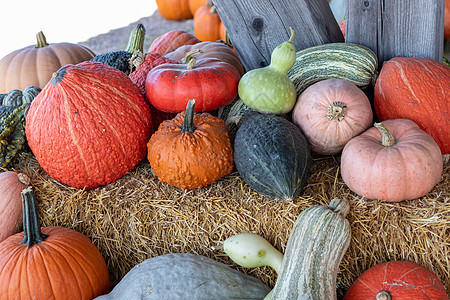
(397, 28)
(256, 27)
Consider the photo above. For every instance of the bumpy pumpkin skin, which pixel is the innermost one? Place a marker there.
(191, 160)
(67, 265)
(89, 125)
(402, 279)
(330, 113)
(417, 89)
(405, 171)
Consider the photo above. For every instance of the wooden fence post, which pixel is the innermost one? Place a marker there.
(397, 27)
(256, 27)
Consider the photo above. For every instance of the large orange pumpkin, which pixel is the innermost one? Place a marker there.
(89, 126)
(50, 262)
(174, 9)
(397, 280)
(417, 89)
(35, 64)
(11, 186)
(393, 161)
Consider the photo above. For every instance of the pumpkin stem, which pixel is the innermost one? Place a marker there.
(336, 111)
(41, 40)
(340, 206)
(136, 59)
(387, 139)
(31, 225)
(136, 40)
(188, 123)
(383, 295)
(23, 178)
(190, 54)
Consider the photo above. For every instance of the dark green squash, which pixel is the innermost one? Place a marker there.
(124, 60)
(17, 97)
(12, 133)
(272, 155)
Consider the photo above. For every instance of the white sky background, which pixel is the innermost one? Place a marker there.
(64, 21)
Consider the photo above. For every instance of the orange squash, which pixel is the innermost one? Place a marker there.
(417, 89)
(50, 262)
(35, 64)
(207, 23)
(11, 185)
(196, 4)
(393, 161)
(174, 9)
(192, 150)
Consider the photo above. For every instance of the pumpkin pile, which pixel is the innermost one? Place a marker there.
(189, 112)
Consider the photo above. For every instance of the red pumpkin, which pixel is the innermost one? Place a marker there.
(417, 89)
(11, 186)
(172, 40)
(89, 125)
(211, 82)
(392, 161)
(139, 76)
(397, 280)
(50, 262)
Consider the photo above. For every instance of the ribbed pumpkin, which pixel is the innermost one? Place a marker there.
(397, 280)
(174, 9)
(393, 161)
(330, 113)
(172, 40)
(207, 23)
(89, 125)
(11, 216)
(272, 155)
(35, 64)
(50, 262)
(209, 50)
(417, 89)
(192, 150)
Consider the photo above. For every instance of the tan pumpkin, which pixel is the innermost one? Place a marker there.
(209, 50)
(11, 186)
(393, 161)
(330, 113)
(35, 64)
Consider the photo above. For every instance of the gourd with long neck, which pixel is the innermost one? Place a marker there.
(269, 89)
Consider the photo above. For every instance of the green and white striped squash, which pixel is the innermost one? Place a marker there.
(318, 241)
(355, 63)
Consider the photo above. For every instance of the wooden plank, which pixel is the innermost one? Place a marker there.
(257, 27)
(397, 28)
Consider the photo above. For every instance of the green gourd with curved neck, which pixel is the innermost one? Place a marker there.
(269, 89)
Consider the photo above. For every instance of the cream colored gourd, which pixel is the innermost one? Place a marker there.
(316, 245)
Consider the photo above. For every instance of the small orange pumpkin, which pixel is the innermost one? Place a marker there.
(171, 40)
(207, 23)
(192, 150)
(393, 161)
(35, 64)
(174, 9)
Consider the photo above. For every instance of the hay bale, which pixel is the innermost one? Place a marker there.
(138, 217)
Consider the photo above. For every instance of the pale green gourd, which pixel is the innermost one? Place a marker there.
(269, 89)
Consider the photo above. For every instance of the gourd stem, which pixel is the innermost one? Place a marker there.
(383, 295)
(292, 35)
(41, 41)
(336, 111)
(340, 206)
(136, 40)
(188, 123)
(189, 56)
(387, 139)
(31, 225)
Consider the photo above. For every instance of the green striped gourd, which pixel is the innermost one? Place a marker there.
(318, 241)
(355, 63)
